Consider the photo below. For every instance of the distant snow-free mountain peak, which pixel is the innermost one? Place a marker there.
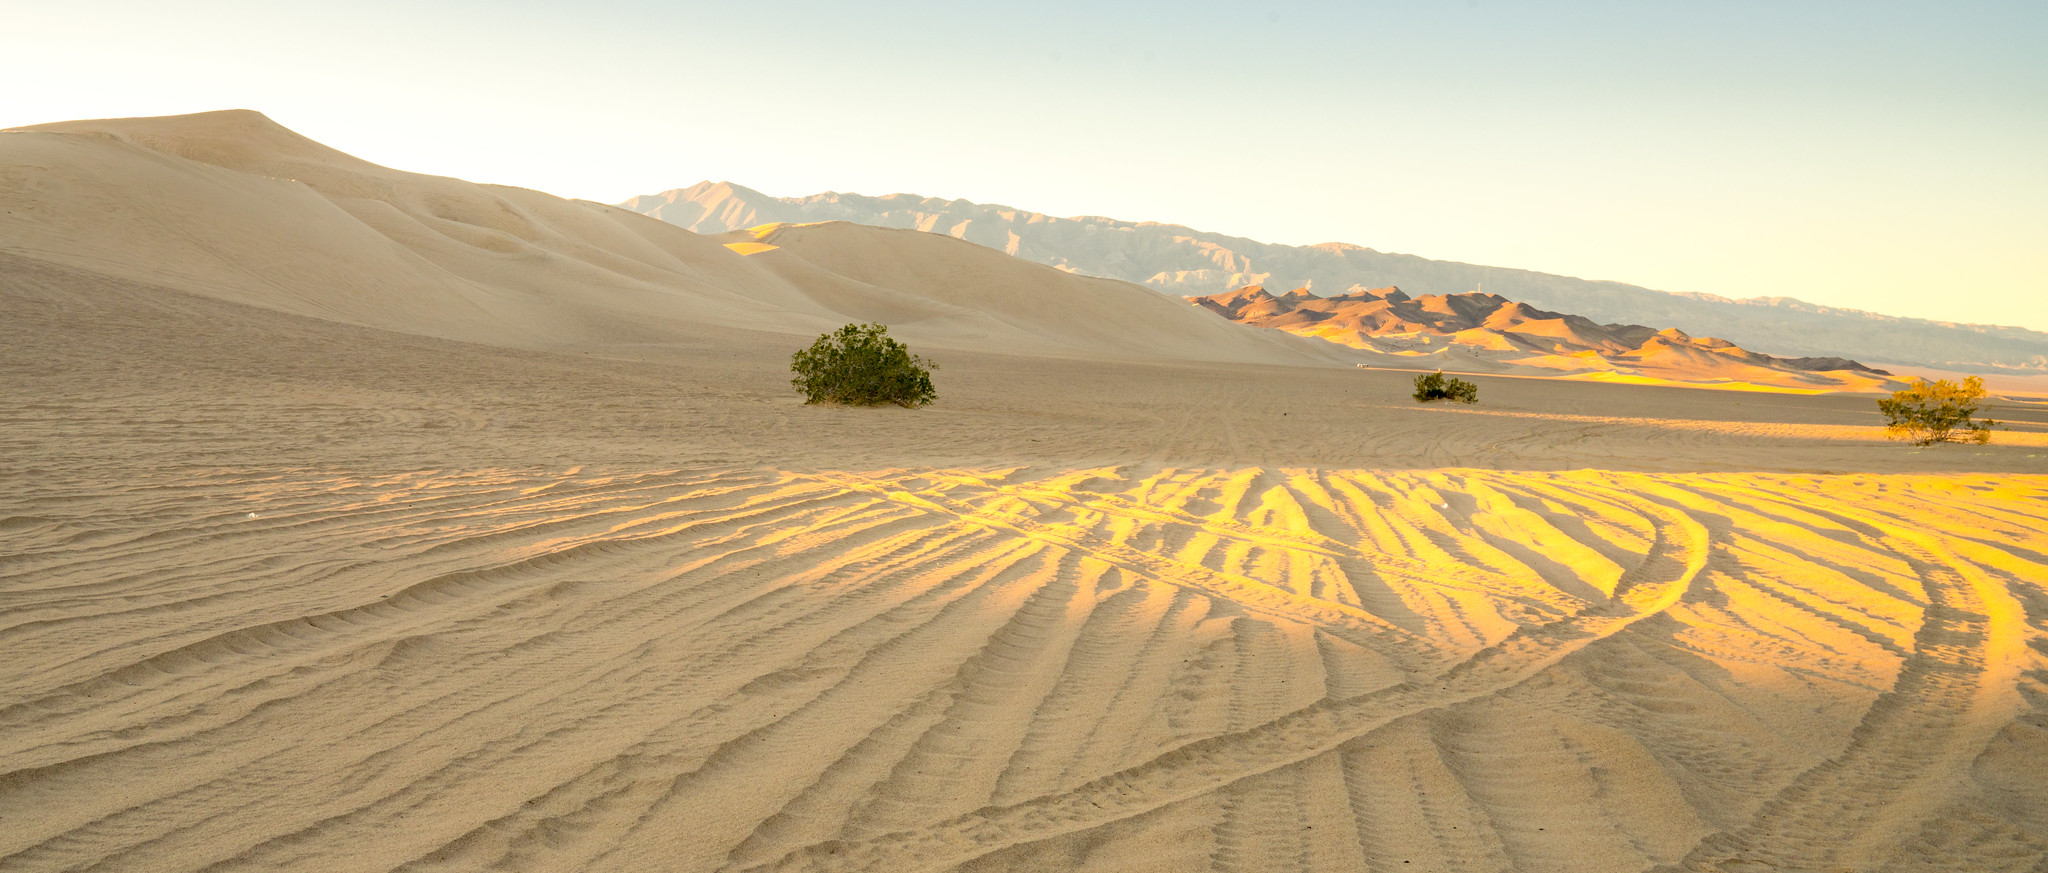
(1491, 329)
(1178, 260)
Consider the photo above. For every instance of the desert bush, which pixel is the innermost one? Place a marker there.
(859, 365)
(1433, 386)
(1937, 412)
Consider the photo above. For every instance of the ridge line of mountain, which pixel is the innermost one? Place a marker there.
(1182, 261)
(1483, 331)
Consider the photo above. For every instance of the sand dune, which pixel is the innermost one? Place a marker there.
(233, 206)
(507, 570)
(230, 205)
(942, 290)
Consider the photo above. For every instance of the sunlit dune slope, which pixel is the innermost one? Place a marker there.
(233, 206)
(1490, 333)
(1035, 669)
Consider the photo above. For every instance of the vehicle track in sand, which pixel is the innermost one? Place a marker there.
(1906, 758)
(1675, 558)
(724, 668)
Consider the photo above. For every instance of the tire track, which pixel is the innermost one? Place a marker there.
(1906, 758)
(747, 669)
(1674, 560)
(1310, 540)
(1251, 594)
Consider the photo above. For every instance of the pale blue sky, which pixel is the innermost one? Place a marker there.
(1883, 156)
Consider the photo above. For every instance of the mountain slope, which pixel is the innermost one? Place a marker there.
(1488, 329)
(1182, 261)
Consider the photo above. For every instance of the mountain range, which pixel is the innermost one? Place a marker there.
(1477, 332)
(234, 207)
(1182, 261)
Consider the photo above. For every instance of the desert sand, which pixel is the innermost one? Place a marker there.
(535, 562)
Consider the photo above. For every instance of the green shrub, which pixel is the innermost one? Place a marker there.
(859, 365)
(1937, 412)
(1433, 386)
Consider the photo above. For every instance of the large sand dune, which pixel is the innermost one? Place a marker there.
(233, 206)
(283, 586)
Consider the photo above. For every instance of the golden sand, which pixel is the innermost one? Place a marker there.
(287, 584)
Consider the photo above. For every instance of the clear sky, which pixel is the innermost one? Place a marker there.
(1875, 155)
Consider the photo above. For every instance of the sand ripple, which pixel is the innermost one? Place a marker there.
(1118, 668)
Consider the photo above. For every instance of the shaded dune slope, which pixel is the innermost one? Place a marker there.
(233, 206)
(944, 290)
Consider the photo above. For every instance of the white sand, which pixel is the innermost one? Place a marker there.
(554, 572)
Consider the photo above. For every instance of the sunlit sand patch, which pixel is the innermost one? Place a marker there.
(1761, 429)
(750, 248)
(1625, 378)
(726, 669)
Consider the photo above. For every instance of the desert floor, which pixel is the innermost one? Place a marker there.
(281, 594)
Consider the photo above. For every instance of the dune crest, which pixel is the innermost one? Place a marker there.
(233, 206)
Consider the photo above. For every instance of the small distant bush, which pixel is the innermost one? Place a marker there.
(1434, 386)
(1937, 412)
(859, 365)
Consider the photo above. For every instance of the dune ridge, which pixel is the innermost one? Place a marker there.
(233, 206)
